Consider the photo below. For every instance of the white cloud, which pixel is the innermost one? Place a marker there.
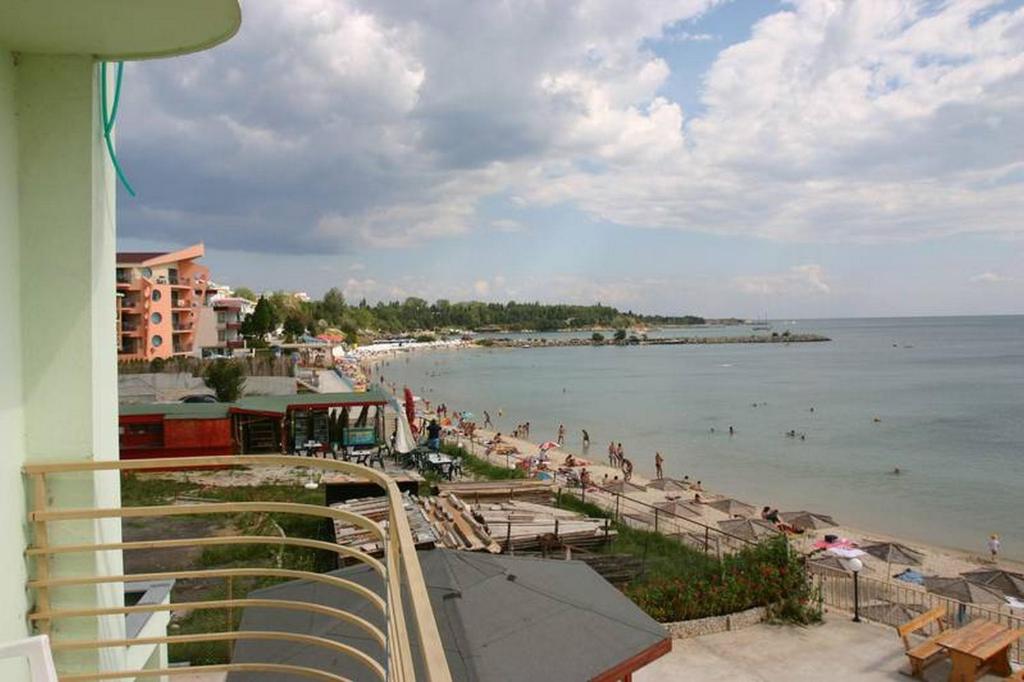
(333, 124)
(990, 278)
(798, 280)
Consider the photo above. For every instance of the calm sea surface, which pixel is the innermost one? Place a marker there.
(949, 394)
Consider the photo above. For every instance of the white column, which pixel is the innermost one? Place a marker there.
(68, 317)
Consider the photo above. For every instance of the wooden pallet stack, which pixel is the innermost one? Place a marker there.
(520, 526)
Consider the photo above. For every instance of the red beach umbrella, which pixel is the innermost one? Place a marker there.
(549, 445)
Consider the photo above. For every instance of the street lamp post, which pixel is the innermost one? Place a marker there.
(856, 565)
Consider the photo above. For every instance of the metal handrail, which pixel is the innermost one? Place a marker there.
(836, 590)
(400, 563)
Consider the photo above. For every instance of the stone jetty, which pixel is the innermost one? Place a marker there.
(658, 341)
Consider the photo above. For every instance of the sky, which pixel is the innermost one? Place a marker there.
(815, 158)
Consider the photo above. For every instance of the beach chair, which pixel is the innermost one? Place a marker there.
(926, 653)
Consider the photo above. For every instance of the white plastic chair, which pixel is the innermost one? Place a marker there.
(37, 651)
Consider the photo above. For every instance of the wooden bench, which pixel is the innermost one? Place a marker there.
(927, 652)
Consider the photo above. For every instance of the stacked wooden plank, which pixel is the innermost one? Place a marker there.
(520, 526)
(456, 526)
(376, 509)
(480, 492)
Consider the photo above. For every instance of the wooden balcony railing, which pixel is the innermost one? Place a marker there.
(401, 579)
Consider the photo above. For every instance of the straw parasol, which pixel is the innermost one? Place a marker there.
(1007, 582)
(623, 487)
(962, 590)
(733, 507)
(679, 508)
(805, 520)
(748, 529)
(667, 484)
(894, 553)
(891, 613)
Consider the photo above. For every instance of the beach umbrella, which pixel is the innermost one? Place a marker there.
(410, 409)
(963, 590)
(667, 484)
(891, 613)
(894, 553)
(1007, 582)
(748, 529)
(733, 507)
(805, 520)
(679, 508)
(846, 552)
(623, 487)
(548, 445)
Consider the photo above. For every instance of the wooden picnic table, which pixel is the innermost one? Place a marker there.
(977, 647)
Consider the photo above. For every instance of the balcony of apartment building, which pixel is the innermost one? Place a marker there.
(374, 619)
(181, 302)
(132, 304)
(123, 277)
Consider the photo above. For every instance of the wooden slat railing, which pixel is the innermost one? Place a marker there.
(399, 567)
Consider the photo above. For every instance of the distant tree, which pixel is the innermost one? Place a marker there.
(226, 378)
(597, 337)
(332, 307)
(620, 335)
(294, 325)
(246, 293)
(261, 322)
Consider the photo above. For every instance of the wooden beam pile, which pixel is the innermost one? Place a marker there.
(376, 509)
(521, 526)
(481, 492)
(455, 525)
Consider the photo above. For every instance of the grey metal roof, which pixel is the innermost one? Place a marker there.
(501, 618)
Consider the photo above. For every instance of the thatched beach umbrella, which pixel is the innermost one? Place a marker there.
(668, 485)
(679, 508)
(624, 487)
(1007, 582)
(733, 507)
(891, 613)
(805, 520)
(894, 553)
(753, 530)
(963, 590)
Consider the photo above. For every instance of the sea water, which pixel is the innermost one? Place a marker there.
(942, 399)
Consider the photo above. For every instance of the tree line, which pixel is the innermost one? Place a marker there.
(333, 312)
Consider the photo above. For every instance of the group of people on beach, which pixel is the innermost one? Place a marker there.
(521, 430)
(617, 459)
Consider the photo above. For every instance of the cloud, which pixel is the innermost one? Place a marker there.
(334, 125)
(798, 280)
(990, 278)
(507, 225)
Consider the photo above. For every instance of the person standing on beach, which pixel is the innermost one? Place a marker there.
(487, 420)
(561, 434)
(434, 435)
(611, 454)
(993, 547)
(627, 469)
(658, 460)
(620, 456)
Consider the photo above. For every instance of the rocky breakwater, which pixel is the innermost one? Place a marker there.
(785, 337)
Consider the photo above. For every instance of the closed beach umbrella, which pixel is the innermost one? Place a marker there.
(748, 529)
(1007, 582)
(410, 408)
(894, 553)
(805, 520)
(733, 507)
(962, 590)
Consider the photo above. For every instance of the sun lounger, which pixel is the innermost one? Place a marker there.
(927, 652)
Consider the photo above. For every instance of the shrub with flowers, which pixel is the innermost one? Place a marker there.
(768, 575)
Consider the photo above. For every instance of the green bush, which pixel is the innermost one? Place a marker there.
(597, 337)
(768, 575)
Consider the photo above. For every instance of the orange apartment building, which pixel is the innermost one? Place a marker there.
(164, 304)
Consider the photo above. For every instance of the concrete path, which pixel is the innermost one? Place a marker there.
(838, 650)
